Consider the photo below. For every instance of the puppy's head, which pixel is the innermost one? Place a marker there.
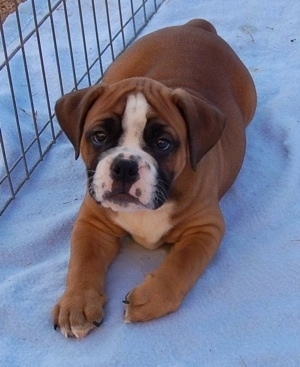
(135, 137)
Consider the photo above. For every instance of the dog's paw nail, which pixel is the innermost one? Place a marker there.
(97, 324)
(55, 326)
(125, 300)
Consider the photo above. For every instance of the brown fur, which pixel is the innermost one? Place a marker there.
(196, 84)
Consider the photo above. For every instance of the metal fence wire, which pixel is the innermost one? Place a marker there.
(48, 48)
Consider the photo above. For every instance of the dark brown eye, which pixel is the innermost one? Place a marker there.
(99, 137)
(163, 144)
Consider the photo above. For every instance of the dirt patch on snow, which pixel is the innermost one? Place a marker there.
(7, 7)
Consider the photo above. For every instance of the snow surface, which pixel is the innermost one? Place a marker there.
(245, 310)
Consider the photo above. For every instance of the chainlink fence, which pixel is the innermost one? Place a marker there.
(49, 48)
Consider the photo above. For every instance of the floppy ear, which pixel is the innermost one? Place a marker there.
(71, 110)
(205, 123)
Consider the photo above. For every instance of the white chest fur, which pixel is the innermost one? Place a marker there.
(146, 227)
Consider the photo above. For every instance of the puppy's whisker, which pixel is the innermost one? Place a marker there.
(161, 194)
(90, 177)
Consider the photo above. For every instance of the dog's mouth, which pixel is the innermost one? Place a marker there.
(120, 200)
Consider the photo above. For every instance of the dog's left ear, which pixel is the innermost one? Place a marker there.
(71, 110)
(205, 123)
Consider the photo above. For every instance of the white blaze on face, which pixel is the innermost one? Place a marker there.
(134, 121)
(129, 147)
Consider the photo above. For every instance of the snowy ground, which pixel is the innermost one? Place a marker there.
(245, 310)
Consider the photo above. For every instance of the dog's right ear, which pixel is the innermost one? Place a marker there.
(71, 110)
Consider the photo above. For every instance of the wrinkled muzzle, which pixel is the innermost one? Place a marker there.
(127, 181)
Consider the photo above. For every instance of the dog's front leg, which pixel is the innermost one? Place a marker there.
(80, 308)
(164, 289)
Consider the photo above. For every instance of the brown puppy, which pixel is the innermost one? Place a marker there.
(163, 138)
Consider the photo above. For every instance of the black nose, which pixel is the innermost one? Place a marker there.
(125, 170)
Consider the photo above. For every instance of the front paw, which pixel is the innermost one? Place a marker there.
(78, 312)
(156, 297)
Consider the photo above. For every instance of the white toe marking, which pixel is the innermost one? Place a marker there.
(126, 317)
(64, 332)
